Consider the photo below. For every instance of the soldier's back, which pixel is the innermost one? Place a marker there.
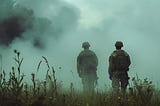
(120, 59)
(88, 58)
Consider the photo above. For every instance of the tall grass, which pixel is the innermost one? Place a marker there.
(15, 92)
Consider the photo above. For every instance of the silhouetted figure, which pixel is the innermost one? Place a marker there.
(87, 62)
(119, 63)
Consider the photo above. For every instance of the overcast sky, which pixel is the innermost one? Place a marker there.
(56, 29)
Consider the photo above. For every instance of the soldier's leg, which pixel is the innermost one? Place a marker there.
(85, 84)
(93, 79)
(124, 83)
(91, 85)
(115, 84)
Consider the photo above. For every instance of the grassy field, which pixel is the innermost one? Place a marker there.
(14, 92)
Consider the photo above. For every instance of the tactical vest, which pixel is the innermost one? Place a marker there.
(120, 60)
(88, 60)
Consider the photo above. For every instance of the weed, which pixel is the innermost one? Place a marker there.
(14, 92)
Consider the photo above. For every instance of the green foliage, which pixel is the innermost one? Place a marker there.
(15, 92)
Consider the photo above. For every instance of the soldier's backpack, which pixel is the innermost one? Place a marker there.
(88, 60)
(120, 60)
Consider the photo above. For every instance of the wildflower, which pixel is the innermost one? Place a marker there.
(15, 51)
(18, 53)
(119, 98)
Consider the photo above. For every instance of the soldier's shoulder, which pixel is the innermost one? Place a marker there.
(114, 53)
(81, 53)
(84, 52)
(125, 53)
(90, 51)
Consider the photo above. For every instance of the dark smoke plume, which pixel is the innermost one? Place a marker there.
(15, 25)
(14, 21)
(22, 21)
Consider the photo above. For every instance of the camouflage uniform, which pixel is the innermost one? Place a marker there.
(119, 62)
(87, 66)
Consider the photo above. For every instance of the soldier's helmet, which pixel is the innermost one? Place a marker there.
(85, 45)
(119, 44)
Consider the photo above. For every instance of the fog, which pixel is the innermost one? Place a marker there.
(56, 29)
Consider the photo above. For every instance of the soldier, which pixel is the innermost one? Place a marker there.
(87, 62)
(119, 63)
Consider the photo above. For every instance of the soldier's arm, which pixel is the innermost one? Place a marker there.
(96, 60)
(78, 64)
(128, 59)
(110, 67)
